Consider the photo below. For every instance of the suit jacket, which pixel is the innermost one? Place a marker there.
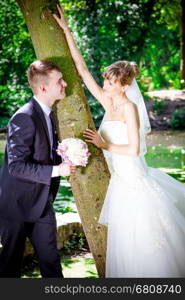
(25, 178)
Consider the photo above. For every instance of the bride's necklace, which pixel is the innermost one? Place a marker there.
(116, 107)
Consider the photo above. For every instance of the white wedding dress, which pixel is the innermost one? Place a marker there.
(144, 210)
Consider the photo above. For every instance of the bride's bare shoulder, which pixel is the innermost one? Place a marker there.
(130, 106)
(131, 111)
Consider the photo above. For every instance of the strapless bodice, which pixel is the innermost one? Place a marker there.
(126, 166)
(114, 131)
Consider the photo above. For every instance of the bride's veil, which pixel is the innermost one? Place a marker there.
(134, 95)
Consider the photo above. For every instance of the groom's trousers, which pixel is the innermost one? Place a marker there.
(42, 235)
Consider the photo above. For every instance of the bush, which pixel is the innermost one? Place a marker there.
(77, 242)
(1, 159)
(178, 119)
(159, 106)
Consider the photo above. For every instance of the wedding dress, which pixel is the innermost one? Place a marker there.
(144, 210)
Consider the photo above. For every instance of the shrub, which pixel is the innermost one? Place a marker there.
(76, 242)
(178, 119)
(1, 159)
(159, 106)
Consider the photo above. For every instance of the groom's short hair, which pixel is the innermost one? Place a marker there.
(38, 71)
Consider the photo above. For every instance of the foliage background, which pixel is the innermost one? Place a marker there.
(145, 31)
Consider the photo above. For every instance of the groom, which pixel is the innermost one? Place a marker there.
(30, 176)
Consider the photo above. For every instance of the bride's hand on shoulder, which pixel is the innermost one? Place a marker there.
(92, 136)
(61, 20)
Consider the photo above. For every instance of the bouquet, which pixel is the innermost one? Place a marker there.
(74, 151)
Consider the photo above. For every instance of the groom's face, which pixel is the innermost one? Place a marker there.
(55, 86)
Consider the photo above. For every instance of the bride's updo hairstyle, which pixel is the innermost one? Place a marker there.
(122, 71)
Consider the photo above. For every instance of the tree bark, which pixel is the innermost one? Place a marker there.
(182, 43)
(73, 115)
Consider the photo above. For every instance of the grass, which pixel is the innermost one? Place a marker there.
(1, 158)
(76, 260)
(82, 265)
(77, 266)
(163, 157)
(64, 201)
(170, 160)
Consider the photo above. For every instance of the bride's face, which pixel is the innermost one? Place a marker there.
(112, 88)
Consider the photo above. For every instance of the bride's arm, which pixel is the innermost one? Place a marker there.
(83, 71)
(133, 146)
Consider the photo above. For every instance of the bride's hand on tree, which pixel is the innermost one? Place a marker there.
(61, 21)
(95, 138)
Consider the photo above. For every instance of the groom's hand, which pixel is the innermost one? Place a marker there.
(66, 169)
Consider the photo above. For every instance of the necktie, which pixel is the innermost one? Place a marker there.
(55, 137)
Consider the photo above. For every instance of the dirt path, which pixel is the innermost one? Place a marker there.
(171, 95)
(174, 99)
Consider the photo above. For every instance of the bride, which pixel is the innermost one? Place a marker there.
(144, 208)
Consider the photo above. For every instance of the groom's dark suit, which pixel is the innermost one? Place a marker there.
(27, 192)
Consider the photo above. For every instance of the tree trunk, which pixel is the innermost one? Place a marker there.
(89, 184)
(182, 43)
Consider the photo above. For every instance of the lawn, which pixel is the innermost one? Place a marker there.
(77, 265)
(169, 160)
(163, 157)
